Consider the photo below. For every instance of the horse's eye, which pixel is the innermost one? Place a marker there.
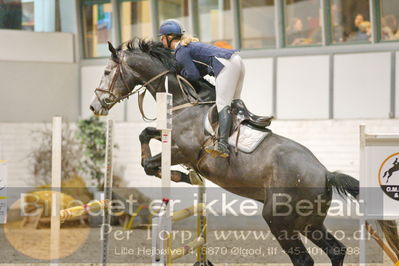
(107, 72)
(108, 101)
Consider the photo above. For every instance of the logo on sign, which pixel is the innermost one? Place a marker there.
(388, 176)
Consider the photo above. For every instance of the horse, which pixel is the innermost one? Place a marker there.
(391, 170)
(279, 166)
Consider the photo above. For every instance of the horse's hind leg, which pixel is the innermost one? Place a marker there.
(292, 244)
(389, 175)
(334, 249)
(288, 238)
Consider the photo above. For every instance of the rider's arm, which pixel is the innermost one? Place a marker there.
(189, 71)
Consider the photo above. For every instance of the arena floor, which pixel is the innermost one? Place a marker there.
(81, 246)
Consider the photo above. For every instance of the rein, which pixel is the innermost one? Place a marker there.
(175, 108)
(108, 103)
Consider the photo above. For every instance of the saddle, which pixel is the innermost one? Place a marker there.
(241, 112)
(248, 130)
(240, 115)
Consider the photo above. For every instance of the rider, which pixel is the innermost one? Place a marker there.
(200, 59)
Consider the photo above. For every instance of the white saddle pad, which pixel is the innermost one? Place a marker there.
(248, 140)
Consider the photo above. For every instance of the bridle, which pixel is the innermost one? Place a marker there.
(108, 103)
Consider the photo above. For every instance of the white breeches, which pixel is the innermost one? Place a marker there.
(229, 81)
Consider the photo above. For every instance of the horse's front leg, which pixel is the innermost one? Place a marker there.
(145, 137)
(152, 166)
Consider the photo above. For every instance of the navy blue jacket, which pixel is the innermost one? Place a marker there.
(193, 57)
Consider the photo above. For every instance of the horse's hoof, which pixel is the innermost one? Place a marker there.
(151, 171)
(144, 162)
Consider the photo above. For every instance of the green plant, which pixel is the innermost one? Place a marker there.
(91, 136)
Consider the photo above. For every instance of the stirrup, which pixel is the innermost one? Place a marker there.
(212, 151)
(224, 149)
(215, 151)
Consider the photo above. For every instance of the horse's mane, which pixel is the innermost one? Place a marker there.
(155, 49)
(168, 60)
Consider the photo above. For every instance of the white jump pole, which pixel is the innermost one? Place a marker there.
(106, 225)
(202, 228)
(56, 190)
(164, 123)
(162, 224)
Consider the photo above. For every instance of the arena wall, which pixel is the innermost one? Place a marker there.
(334, 142)
(39, 76)
(343, 85)
(360, 86)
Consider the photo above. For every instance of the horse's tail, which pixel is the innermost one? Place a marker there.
(385, 173)
(344, 185)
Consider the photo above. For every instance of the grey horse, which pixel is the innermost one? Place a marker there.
(279, 166)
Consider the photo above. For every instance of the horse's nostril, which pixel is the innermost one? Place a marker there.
(91, 108)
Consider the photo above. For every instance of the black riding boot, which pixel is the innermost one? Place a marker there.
(222, 147)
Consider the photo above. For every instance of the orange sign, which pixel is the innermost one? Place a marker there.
(388, 176)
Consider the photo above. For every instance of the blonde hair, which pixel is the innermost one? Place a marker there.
(365, 26)
(187, 39)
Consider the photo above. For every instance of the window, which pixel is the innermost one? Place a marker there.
(97, 30)
(389, 13)
(175, 9)
(29, 15)
(216, 25)
(350, 21)
(257, 24)
(302, 22)
(136, 19)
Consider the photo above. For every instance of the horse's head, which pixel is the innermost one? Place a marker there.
(117, 82)
(141, 63)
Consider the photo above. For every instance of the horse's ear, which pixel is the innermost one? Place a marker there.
(112, 50)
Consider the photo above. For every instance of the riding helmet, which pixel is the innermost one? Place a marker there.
(171, 27)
